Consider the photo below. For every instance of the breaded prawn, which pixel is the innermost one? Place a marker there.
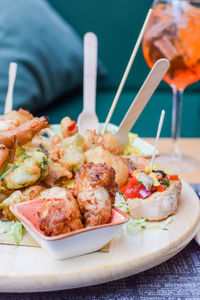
(99, 155)
(95, 188)
(24, 133)
(60, 212)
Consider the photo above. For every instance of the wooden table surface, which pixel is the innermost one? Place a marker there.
(189, 146)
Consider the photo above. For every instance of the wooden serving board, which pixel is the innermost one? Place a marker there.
(30, 269)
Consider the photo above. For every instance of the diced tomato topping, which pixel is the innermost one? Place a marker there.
(71, 127)
(133, 180)
(132, 188)
(153, 189)
(161, 188)
(173, 177)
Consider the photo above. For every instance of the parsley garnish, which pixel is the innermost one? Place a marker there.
(165, 182)
(8, 171)
(25, 156)
(5, 165)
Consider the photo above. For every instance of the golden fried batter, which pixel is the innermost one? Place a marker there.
(57, 171)
(4, 153)
(108, 141)
(68, 127)
(95, 188)
(24, 133)
(21, 115)
(60, 215)
(99, 155)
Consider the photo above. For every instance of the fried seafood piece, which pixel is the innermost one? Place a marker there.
(30, 193)
(21, 116)
(56, 149)
(57, 171)
(28, 169)
(66, 156)
(60, 212)
(8, 125)
(95, 188)
(68, 127)
(41, 141)
(108, 141)
(4, 154)
(99, 155)
(23, 133)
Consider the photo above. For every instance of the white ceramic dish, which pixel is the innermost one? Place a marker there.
(71, 244)
(145, 148)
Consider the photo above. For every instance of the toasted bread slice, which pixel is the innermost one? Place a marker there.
(159, 205)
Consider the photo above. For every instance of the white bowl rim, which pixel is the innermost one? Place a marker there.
(23, 219)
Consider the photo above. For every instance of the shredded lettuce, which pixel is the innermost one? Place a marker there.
(133, 225)
(121, 203)
(12, 228)
(17, 232)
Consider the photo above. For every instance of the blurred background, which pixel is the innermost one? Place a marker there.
(117, 24)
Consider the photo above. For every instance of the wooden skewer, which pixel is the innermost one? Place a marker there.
(127, 70)
(11, 81)
(157, 139)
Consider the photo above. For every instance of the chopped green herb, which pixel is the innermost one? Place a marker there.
(165, 228)
(43, 150)
(8, 171)
(38, 150)
(166, 183)
(5, 165)
(25, 156)
(143, 226)
(133, 168)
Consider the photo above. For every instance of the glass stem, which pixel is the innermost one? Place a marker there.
(176, 119)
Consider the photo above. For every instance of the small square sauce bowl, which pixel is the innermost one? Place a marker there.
(70, 244)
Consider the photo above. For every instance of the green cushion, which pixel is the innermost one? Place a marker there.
(146, 125)
(46, 48)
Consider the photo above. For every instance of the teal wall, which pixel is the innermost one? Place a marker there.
(117, 24)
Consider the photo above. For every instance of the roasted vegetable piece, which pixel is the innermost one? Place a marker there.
(29, 169)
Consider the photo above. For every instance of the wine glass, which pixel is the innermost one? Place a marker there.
(173, 32)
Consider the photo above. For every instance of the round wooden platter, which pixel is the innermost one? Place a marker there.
(30, 269)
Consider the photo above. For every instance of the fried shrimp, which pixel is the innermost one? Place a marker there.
(4, 153)
(24, 133)
(8, 124)
(68, 127)
(95, 187)
(57, 171)
(108, 141)
(99, 155)
(56, 150)
(21, 116)
(60, 212)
